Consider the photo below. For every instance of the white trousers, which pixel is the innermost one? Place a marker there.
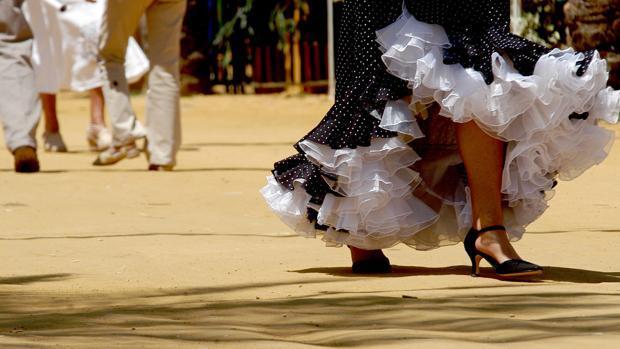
(20, 109)
(164, 24)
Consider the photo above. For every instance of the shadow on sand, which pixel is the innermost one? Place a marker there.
(349, 318)
(29, 279)
(558, 274)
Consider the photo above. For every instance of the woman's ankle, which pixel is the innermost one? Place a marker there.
(496, 243)
(358, 254)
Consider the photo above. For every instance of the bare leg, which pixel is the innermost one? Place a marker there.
(97, 107)
(483, 156)
(48, 101)
(98, 136)
(51, 137)
(357, 254)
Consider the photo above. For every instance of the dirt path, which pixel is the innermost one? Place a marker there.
(123, 258)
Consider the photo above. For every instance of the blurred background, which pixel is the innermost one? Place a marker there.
(266, 46)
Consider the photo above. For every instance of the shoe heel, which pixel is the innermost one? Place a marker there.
(509, 268)
(475, 265)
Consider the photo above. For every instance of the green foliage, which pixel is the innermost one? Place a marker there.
(282, 21)
(238, 22)
(543, 22)
(228, 28)
(532, 29)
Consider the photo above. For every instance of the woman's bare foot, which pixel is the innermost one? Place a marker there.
(495, 243)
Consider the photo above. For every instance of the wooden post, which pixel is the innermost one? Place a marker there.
(317, 61)
(307, 62)
(297, 68)
(288, 60)
(331, 63)
(515, 15)
(257, 71)
(296, 54)
(269, 64)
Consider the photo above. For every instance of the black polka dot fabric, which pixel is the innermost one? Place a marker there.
(479, 28)
(363, 87)
(296, 167)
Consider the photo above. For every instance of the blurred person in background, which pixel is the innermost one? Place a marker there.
(20, 108)
(164, 23)
(66, 35)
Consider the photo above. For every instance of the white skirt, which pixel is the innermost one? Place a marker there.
(65, 50)
(388, 193)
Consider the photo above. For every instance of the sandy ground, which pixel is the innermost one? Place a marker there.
(123, 258)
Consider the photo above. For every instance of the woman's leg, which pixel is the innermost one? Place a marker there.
(483, 156)
(48, 101)
(97, 107)
(98, 136)
(52, 140)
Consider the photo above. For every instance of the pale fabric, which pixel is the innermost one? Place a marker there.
(393, 192)
(20, 109)
(66, 45)
(164, 24)
(13, 26)
(382, 199)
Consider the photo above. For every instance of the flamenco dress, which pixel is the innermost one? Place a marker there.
(378, 171)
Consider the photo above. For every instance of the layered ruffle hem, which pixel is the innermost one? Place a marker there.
(413, 190)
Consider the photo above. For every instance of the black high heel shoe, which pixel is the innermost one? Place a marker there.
(510, 268)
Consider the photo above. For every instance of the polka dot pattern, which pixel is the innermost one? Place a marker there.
(479, 28)
(297, 167)
(363, 87)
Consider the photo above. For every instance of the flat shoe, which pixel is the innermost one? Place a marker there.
(110, 156)
(26, 160)
(375, 265)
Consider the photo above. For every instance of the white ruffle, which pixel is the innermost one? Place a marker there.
(565, 151)
(376, 185)
(376, 207)
(514, 106)
(397, 118)
(290, 205)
